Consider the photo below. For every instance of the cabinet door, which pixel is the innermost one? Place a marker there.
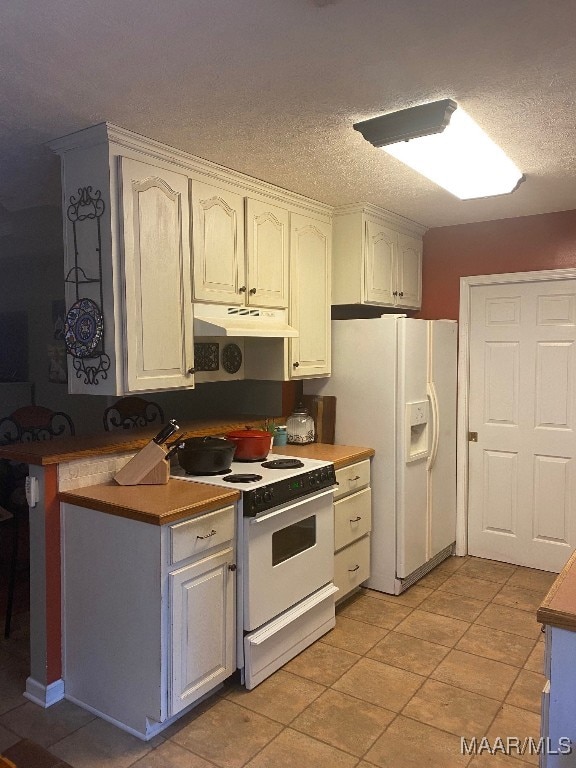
(158, 309)
(218, 245)
(310, 278)
(409, 272)
(267, 254)
(203, 627)
(380, 255)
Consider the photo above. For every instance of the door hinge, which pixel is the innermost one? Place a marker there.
(472, 437)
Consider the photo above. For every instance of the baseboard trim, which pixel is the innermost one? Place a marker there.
(44, 695)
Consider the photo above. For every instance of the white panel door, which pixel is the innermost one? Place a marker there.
(158, 303)
(310, 282)
(267, 243)
(411, 502)
(379, 278)
(523, 406)
(409, 272)
(203, 627)
(218, 244)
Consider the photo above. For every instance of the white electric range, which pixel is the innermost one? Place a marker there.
(285, 590)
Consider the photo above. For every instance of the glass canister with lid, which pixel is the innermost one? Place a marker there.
(300, 426)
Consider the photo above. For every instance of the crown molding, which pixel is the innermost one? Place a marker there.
(109, 133)
(401, 223)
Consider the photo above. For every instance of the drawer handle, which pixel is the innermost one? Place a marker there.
(351, 570)
(356, 519)
(351, 479)
(207, 536)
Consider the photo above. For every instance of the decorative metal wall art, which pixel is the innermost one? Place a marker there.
(231, 358)
(206, 357)
(84, 326)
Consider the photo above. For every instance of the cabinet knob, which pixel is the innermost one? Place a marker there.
(401, 293)
(296, 365)
(232, 567)
(190, 371)
(394, 293)
(252, 291)
(242, 289)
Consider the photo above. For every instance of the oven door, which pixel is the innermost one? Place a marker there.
(289, 554)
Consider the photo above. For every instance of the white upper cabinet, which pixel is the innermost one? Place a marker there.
(267, 244)
(409, 272)
(310, 250)
(380, 262)
(218, 245)
(158, 316)
(377, 258)
(150, 230)
(233, 265)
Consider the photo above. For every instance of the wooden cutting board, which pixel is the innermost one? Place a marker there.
(322, 408)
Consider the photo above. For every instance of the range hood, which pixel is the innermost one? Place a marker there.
(221, 320)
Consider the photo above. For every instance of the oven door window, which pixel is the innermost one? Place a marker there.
(293, 539)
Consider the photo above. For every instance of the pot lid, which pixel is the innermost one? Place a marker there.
(205, 442)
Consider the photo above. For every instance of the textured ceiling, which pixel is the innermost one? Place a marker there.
(272, 87)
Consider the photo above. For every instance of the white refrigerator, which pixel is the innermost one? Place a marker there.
(394, 379)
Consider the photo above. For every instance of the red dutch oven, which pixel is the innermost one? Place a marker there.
(251, 444)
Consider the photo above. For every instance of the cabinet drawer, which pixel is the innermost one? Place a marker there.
(201, 533)
(352, 566)
(352, 478)
(352, 518)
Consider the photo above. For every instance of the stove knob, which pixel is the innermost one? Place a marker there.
(268, 494)
(257, 497)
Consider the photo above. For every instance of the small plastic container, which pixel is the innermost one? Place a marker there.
(280, 436)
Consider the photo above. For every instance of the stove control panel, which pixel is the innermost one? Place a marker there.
(289, 489)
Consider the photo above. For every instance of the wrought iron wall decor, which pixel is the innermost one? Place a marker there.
(206, 356)
(231, 358)
(84, 327)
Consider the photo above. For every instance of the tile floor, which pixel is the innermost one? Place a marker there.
(394, 685)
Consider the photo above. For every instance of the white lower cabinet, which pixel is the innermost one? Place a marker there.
(558, 725)
(352, 526)
(146, 635)
(202, 598)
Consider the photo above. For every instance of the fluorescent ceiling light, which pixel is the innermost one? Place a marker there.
(443, 143)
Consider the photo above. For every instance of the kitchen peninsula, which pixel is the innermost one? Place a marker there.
(77, 474)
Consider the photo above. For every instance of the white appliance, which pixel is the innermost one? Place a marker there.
(285, 531)
(395, 383)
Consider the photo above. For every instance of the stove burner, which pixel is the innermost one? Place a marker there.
(243, 478)
(210, 474)
(283, 464)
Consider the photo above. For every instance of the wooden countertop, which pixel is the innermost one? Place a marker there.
(559, 606)
(155, 504)
(64, 449)
(162, 504)
(341, 455)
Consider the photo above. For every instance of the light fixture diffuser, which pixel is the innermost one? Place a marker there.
(441, 141)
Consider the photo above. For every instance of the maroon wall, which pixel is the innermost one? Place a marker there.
(546, 241)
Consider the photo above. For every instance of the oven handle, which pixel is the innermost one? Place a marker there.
(298, 503)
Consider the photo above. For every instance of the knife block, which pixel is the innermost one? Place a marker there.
(148, 467)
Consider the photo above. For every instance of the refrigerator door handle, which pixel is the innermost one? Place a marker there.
(435, 425)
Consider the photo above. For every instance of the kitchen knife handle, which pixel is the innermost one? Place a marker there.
(166, 432)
